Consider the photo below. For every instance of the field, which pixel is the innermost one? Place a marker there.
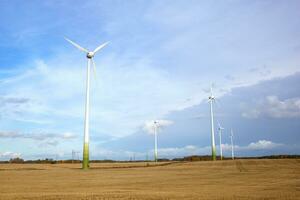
(239, 179)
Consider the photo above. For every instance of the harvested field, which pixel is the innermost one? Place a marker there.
(239, 179)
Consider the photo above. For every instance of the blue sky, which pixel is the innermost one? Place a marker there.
(161, 60)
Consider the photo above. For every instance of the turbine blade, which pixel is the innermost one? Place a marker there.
(95, 71)
(76, 45)
(100, 47)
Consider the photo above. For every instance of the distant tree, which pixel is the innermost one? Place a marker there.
(163, 160)
(16, 160)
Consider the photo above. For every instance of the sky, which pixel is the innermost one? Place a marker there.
(162, 58)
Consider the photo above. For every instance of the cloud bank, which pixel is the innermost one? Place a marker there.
(273, 107)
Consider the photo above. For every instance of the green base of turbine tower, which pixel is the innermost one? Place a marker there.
(213, 154)
(85, 161)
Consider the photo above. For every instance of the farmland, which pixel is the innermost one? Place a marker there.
(238, 179)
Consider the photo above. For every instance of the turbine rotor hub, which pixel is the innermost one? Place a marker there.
(90, 55)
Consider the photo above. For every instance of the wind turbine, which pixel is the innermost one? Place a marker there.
(232, 147)
(211, 99)
(220, 128)
(156, 124)
(89, 55)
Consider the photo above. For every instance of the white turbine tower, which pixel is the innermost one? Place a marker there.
(232, 146)
(220, 128)
(156, 124)
(89, 55)
(213, 146)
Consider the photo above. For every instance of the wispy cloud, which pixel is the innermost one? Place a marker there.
(37, 136)
(12, 100)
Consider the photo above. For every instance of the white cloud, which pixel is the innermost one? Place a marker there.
(263, 144)
(259, 145)
(68, 135)
(273, 107)
(8, 155)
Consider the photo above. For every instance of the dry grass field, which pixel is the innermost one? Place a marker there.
(239, 179)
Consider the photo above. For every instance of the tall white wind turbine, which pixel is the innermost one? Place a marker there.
(211, 99)
(156, 124)
(232, 146)
(89, 55)
(220, 128)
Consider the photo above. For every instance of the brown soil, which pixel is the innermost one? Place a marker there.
(239, 179)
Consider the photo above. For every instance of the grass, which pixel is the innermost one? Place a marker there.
(239, 179)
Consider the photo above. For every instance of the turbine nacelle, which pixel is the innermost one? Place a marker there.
(211, 98)
(90, 55)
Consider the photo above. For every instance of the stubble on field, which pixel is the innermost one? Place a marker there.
(238, 179)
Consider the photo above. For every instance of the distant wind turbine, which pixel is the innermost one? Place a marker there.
(156, 124)
(89, 55)
(232, 146)
(220, 128)
(211, 99)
